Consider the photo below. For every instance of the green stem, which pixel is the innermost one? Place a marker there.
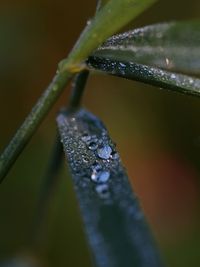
(78, 89)
(110, 18)
(51, 178)
(32, 122)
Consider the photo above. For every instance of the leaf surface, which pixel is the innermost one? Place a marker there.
(101, 3)
(114, 223)
(171, 46)
(150, 75)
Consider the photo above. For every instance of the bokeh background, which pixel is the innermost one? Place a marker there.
(157, 134)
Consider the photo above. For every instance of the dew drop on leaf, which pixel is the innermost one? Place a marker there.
(114, 155)
(103, 190)
(99, 176)
(92, 145)
(104, 152)
(85, 137)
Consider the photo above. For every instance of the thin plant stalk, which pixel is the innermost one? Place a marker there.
(51, 179)
(32, 122)
(48, 190)
(78, 89)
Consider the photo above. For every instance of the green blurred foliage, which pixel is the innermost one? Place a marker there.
(157, 133)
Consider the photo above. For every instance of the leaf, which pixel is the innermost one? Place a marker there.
(114, 223)
(171, 46)
(111, 18)
(101, 3)
(150, 75)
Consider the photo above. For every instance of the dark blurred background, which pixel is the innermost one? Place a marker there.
(157, 133)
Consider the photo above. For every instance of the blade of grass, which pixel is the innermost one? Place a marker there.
(172, 81)
(107, 21)
(114, 223)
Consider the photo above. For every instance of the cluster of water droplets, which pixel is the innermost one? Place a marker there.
(100, 170)
(152, 75)
(91, 154)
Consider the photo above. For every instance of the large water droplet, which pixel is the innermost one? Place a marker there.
(99, 176)
(104, 152)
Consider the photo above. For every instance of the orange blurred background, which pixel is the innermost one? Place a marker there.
(157, 133)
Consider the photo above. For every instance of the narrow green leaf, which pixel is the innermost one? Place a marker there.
(111, 18)
(171, 46)
(114, 223)
(150, 75)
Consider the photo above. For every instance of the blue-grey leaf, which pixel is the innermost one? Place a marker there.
(171, 46)
(150, 75)
(114, 223)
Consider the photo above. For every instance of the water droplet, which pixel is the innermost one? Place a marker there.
(100, 176)
(96, 166)
(92, 145)
(114, 155)
(88, 22)
(104, 152)
(173, 76)
(122, 68)
(122, 65)
(191, 81)
(104, 133)
(85, 158)
(167, 61)
(103, 190)
(55, 88)
(85, 137)
(75, 127)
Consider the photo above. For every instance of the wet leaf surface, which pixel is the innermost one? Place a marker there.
(114, 223)
(171, 46)
(150, 75)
